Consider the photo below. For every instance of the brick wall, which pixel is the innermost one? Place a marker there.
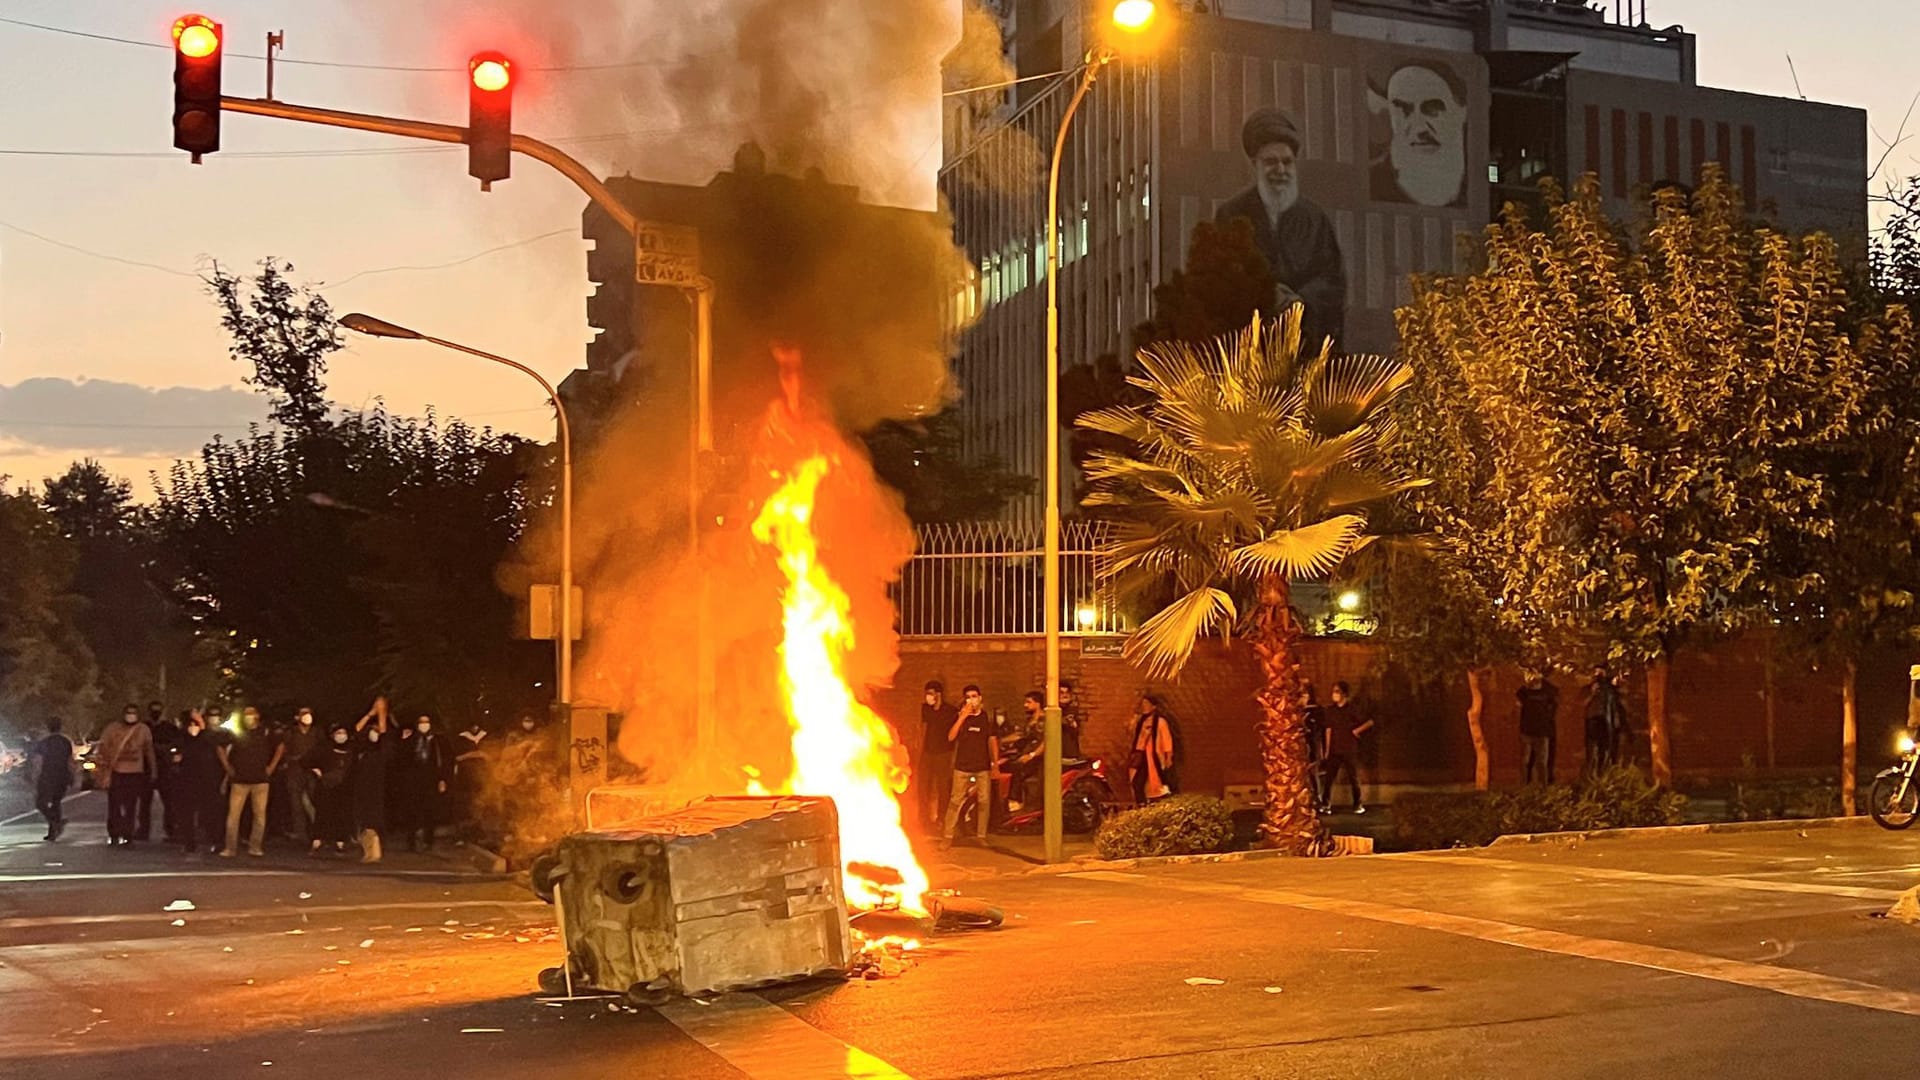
(1715, 704)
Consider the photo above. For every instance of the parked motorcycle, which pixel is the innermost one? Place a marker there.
(1085, 792)
(1894, 799)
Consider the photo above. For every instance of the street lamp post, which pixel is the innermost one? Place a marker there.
(1133, 18)
(563, 681)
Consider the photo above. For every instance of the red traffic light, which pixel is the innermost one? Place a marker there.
(196, 36)
(490, 72)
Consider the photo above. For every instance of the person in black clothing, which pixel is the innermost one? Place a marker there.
(976, 748)
(303, 738)
(329, 769)
(166, 737)
(1024, 769)
(1539, 726)
(426, 772)
(369, 779)
(1314, 721)
(195, 802)
(933, 773)
(50, 768)
(1343, 729)
(1071, 719)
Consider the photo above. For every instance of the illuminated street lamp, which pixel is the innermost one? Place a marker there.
(1132, 26)
(372, 327)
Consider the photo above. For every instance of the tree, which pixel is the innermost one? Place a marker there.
(922, 461)
(1248, 467)
(284, 334)
(1649, 402)
(141, 641)
(46, 668)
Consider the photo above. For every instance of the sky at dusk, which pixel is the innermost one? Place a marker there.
(109, 347)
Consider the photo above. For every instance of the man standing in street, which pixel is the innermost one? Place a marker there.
(1071, 721)
(302, 739)
(1603, 722)
(194, 803)
(127, 768)
(1539, 726)
(50, 770)
(933, 772)
(1033, 746)
(976, 747)
(166, 741)
(250, 760)
(426, 770)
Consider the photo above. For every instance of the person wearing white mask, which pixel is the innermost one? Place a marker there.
(197, 775)
(328, 768)
(426, 772)
(368, 780)
(301, 740)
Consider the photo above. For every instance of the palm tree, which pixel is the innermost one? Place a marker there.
(1251, 467)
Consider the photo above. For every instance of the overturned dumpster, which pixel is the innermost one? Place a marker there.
(725, 894)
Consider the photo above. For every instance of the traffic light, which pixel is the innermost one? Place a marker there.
(489, 117)
(198, 46)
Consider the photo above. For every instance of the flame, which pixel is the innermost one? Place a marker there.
(841, 748)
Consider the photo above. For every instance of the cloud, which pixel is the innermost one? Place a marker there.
(101, 416)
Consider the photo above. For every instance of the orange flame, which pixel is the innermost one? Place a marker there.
(841, 748)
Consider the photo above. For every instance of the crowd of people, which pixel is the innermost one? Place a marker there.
(326, 787)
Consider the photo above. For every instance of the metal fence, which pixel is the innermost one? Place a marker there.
(983, 579)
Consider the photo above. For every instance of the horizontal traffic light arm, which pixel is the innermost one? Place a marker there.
(559, 159)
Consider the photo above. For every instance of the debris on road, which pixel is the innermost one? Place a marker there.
(179, 922)
(367, 944)
(179, 905)
(482, 1031)
(1274, 989)
(306, 896)
(1907, 908)
(1200, 980)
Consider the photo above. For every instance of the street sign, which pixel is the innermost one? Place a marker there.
(666, 255)
(1107, 647)
(543, 611)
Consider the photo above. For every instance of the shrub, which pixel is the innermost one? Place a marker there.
(1617, 799)
(1180, 825)
(1771, 800)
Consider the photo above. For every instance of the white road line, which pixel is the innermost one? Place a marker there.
(36, 922)
(1780, 980)
(767, 1042)
(30, 814)
(1706, 881)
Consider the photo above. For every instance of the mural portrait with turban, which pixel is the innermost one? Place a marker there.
(1418, 135)
(1292, 232)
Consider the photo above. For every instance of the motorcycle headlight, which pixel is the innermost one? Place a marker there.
(1906, 744)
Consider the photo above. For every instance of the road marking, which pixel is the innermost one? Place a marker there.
(36, 922)
(1707, 881)
(767, 1042)
(17, 818)
(216, 872)
(1801, 984)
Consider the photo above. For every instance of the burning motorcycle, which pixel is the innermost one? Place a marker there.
(1894, 799)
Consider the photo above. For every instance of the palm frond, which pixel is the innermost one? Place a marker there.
(1346, 487)
(1310, 551)
(1344, 390)
(1164, 642)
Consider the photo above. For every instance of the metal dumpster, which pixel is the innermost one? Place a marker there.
(725, 894)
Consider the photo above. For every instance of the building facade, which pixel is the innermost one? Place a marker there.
(1410, 124)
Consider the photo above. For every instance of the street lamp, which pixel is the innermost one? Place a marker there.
(1131, 22)
(372, 327)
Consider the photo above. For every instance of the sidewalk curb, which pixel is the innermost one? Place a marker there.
(484, 860)
(1085, 863)
(1655, 831)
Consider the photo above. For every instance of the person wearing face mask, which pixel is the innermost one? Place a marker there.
(302, 739)
(165, 738)
(195, 802)
(127, 768)
(368, 778)
(251, 760)
(328, 767)
(471, 761)
(426, 772)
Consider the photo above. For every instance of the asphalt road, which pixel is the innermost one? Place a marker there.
(1720, 955)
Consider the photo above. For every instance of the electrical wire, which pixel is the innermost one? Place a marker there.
(345, 64)
(575, 233)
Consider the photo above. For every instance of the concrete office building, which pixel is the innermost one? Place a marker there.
(1412, 123)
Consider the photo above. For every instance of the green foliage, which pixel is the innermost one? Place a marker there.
(46, 667)
(1617, 799)
(922, 460)
(1647, 404)
(1176, 825)
(1776, 800)
(1245, 461)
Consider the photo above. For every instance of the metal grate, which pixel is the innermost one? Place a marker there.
(983, 579)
